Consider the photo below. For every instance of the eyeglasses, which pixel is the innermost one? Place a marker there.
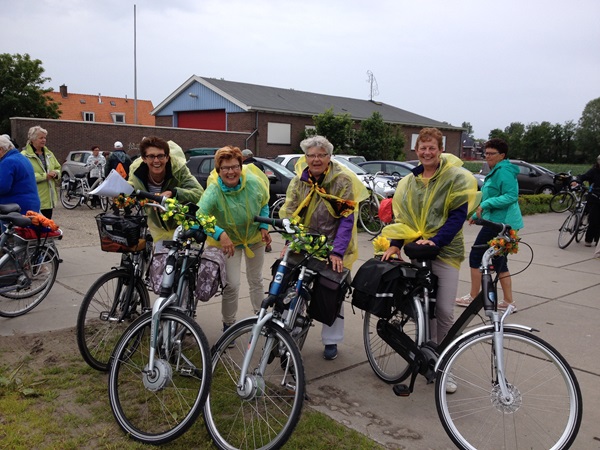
(228, 168)
(160, 157)
(319, 156)
(491, 153)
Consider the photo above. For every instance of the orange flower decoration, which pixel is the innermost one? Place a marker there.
(41, 220)
(507, 245)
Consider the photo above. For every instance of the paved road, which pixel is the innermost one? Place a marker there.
(557, 294)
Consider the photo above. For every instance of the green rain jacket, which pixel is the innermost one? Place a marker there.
(46, 188)
(500, 195)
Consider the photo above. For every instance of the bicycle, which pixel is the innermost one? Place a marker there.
(368, 210)
(76, 191)
(276, 206)
(258, 385)
(118, 297)
(502, 371)
(28, 262)
(567, 197)
(159, 372)
(576, 224)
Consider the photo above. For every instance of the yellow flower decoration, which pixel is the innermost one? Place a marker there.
(180, 213)
(316, 245)
(507, 245)
(380, 245)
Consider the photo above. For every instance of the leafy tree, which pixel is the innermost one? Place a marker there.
(21, 92)
(338, 129)
(469, 129)
(379, 140)
(588, 132)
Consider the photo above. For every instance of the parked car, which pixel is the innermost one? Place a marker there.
(356, 159)
(532, 179)
(382, 186)
(279, 176)
(200, 151)
(75, 163)
(394, 168)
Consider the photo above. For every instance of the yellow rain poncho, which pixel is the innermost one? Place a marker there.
(320, 206)
(235, 208)
(421, 206)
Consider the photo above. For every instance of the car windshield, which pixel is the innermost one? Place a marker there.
(353, 167)
(275, 167)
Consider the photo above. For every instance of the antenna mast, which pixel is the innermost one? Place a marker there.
(374, 91)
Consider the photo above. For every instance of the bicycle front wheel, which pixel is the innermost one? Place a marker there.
(568, 230)
(156, 405)
(582, 227)
(368, 216)
(544, 406)
(107, 309)
(70, 198)
(562, 202)
(387, 364)
(264, 413)
(40, 267)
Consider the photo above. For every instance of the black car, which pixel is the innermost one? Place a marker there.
(532, 179)
(280, 177)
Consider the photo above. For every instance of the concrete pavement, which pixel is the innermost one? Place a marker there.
(557, 294)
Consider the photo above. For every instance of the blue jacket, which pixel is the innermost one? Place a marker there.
(500, 195)
(17, 182)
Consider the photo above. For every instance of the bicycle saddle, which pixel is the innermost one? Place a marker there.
(421, 252)
(17, 219)
(9, 207)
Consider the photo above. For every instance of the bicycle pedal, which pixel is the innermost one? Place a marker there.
(401, 390)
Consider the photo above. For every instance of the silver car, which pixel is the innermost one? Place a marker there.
(75, 163)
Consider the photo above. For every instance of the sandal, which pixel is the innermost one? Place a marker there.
(464, 301)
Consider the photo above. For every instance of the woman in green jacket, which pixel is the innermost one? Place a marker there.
(45, 166)
(499, 203)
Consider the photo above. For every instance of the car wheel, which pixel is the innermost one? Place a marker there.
(548, 190)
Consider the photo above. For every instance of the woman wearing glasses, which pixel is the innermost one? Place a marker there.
(235, 193)
(499, 203)
(161, 170)
(325, 196)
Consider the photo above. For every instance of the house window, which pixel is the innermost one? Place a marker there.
(279, 133)
(118, 117)
(88, 116)
(112, 103)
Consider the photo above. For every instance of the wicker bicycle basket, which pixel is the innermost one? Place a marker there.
(121, 233)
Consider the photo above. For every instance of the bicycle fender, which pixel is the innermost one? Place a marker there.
(489, 327)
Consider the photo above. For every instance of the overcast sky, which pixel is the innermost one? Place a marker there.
(489, 63)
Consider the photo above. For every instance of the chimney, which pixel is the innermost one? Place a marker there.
(63, 91)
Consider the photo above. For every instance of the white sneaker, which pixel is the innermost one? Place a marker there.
(464, 301)
(451, 385)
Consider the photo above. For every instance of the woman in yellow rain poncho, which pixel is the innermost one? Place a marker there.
(234, 195)
(430, 207)
(325, 196)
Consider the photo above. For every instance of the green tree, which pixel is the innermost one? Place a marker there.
(379, 140)
(21, 92)
(338, 129)
(588, 133)
(469, 129)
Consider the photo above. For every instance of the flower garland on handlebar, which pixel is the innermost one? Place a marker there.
(508, 245)
(315, 244)
(179, 212)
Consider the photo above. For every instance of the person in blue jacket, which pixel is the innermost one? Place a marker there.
(499, 203)
(17, 179)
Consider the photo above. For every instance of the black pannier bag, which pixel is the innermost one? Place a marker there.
(379, 286)
(330, 289)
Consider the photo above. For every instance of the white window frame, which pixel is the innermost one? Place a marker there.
(116, 116)
(279, 133)
(88, 116)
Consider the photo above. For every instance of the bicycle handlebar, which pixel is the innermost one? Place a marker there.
(277, 223)
(148, 196)
(498, 228)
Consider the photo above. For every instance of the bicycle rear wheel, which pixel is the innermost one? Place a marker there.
(159, 405)
(107, 309)
(71, 198)
(266, 413)
(562, 202)
(40, 267)
(568, 230)
(582, 227)
(545, 405)
(387, 364)
(275, 207)
(368, 216)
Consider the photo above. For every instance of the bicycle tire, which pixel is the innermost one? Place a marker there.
(158, 406)
(70, 198)
(387, 364)
(103, 203)
(582, 227)
(561, 202)
(275, 207)
(568, 230)
(99, 326)
(266, 418)
(42, 275)
(545, 408)
(368, 216)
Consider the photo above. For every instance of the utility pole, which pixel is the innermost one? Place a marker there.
(373, 85)
(135, 112)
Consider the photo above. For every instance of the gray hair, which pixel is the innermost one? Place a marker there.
(34, 132)
(317, 141)
(5, 143)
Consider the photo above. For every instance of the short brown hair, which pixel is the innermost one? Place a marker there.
(227, 153)
(153, 141)
(427, 134)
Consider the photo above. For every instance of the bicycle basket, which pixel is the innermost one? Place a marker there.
(121, 233)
